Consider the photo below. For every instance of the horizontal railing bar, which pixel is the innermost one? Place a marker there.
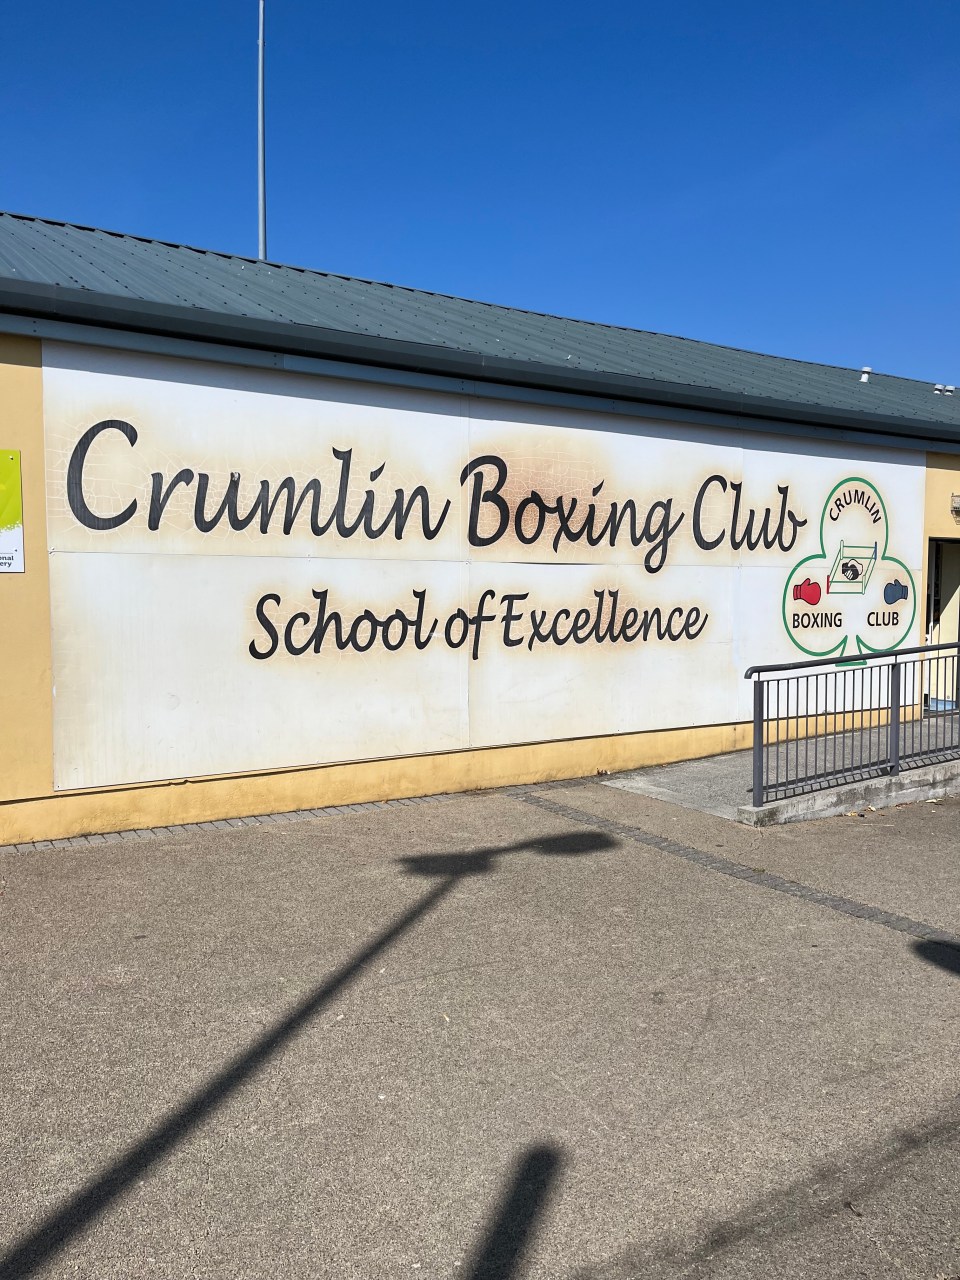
(857, 659)
(853, 772)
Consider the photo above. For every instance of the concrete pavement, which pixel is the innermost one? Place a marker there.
(723, 785)
(567, 1031)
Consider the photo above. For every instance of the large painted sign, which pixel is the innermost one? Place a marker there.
(262, 570)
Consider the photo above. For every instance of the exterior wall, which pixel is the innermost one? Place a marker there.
(942, 483)
(26, 689)
(943, 480)
(205, 799)
(181, 694)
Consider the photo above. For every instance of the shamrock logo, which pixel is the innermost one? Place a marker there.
(851, 590)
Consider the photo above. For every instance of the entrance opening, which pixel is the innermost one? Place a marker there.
(943, 591)
(943, 609)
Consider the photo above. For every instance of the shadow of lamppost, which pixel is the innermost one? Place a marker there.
(79, 1211)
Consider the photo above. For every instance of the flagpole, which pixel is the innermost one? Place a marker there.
(261, 152)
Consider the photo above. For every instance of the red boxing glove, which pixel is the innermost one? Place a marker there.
(807, 591)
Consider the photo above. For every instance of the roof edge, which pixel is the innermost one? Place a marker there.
(277, 265)
(82, 306)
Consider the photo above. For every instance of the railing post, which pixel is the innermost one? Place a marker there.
(758, 688)
(894, 747)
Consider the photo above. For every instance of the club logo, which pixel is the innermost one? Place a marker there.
(852, 595)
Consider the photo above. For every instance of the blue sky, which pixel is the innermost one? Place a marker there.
(784, 178)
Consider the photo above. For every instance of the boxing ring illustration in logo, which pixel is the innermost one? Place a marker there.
(852, 570)
(851, 596)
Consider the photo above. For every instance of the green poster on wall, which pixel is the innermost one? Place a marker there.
(11, 512)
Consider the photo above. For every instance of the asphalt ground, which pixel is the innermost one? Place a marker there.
(564, 1032)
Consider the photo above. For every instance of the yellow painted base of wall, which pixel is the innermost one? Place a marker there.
(205, 799)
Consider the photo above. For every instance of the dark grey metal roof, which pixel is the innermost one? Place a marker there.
(57, 270)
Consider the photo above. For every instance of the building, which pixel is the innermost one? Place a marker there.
(274, 539)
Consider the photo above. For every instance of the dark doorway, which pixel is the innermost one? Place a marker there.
(942, 624)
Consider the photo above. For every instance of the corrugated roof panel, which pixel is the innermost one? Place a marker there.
(109, 265)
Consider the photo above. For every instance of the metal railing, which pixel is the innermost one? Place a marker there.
(826, 722)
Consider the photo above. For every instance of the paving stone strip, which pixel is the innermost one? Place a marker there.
(534, 795)
(767, 879)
